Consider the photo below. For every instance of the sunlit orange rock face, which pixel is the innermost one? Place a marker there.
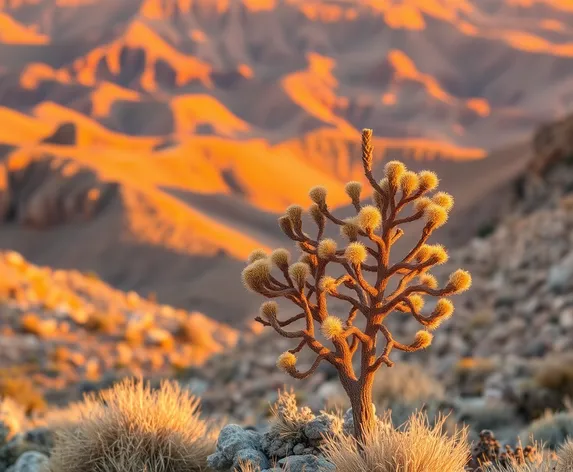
(209, 117)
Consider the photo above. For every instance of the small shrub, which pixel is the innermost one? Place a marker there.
(565, 457)
(23, 392)
(552, 429)
(416, 447)
(555, 373)
(132, 428)
(288, 420)
(33, 324)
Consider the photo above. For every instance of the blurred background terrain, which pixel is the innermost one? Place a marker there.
(148, 146)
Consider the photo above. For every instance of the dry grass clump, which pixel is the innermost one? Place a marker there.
(565, 457)
(132, 428)
(287, 418)
(416, 447)
(555, 373)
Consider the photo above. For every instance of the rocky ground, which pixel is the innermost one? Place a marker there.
(64, 332)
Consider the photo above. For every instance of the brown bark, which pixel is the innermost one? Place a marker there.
(362, 408)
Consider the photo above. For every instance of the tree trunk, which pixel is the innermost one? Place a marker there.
(363, 409)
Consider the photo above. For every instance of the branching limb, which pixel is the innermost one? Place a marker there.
(294, 372)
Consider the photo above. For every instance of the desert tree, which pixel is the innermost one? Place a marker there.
(366, 281)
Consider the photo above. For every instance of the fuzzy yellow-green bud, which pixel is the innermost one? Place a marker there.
(316, 214)
(429, 281)
(428, 180)
(436, 215)
(286, 226)
(327, 283)
(443, 311)
(327, 249)
(256, 275)
(444, 199)
(286, 361)
(422, 203)
(350, 229)
(299, 272)
(437, 254)
(281, 258)
(353, 190)
(460, 280)
(409, 183)
(369, 218)
(256, 255)
(331, 327)
(294, 212)
(417, 302)
(269, 310)
(422, 340)
(394, 171)
(356, 253)
(318, 195)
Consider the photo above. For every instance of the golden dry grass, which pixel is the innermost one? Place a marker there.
(565, 457)
(132, 428)
(416, 447)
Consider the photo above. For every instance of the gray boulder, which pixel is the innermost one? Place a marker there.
(252, 457)
(30, 461)
(323, 425)
(306, 463)
(233, 439)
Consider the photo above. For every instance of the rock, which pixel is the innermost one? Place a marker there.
(566, 319)
(65, 135)
(31, 461)
(560, 276)
(252, 457)
(321, 426)
(306, 463)
(233, 439)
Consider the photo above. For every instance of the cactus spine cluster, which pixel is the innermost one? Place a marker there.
(365, 283)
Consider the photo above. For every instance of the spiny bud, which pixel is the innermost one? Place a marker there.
(428, 180)
(369, 218)
(286, 226)
(350, 229)
(256, 275)
(438, 254)
(269, 310)
(417, 302)
(316, 214)
(422, 203)
(422, 340)
(299, 272)
(286, 361)
(327, 283)
(331, 327)
(294, 212)
(356, 253)
(394, 171)
(409, 183)
(327, 248)
(444, 199)
(436, 215)
(256, 255)
(460, 280)
(281, 258)
(444, 310)
(353, 190)
(318, 195)
(429, 281)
